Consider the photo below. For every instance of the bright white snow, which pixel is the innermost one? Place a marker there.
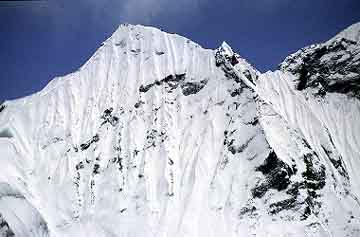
(152, 138)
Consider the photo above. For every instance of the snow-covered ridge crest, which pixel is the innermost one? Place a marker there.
(131, 40)
(156, 136)
(350, 33)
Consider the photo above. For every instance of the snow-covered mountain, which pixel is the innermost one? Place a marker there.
(156, 136)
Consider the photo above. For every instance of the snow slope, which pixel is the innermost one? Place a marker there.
(156, 136)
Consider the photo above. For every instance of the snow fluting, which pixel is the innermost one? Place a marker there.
(156, 136)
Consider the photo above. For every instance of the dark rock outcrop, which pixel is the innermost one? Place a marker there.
(330, 67)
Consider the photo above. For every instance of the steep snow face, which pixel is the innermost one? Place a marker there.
(148, 138)
(320, 135)
(17, 212)
(315, 99)
(156, 136)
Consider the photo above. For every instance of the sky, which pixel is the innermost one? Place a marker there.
(40, 40)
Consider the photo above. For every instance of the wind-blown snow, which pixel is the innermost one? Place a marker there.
(156, 136)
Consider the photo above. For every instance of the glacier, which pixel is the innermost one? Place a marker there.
(156, 136)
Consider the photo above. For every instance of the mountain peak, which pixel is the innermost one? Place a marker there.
(227, 50)
(156, 136)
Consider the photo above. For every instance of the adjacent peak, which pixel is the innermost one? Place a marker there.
(330, 66)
